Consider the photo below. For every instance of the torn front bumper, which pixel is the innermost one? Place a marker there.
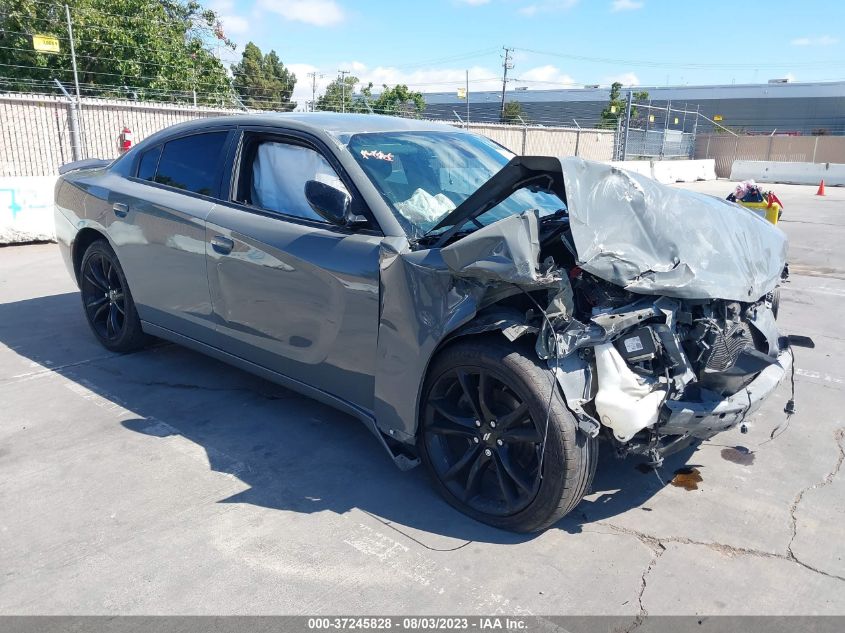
(703, 420)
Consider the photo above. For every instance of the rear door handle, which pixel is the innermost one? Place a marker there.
(120, 209)
(222, 245)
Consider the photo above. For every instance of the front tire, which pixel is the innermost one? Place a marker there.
(483, 421)
(109, 308)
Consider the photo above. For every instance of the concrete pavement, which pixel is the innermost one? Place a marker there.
(163, 482)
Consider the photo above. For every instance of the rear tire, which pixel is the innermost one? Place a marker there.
(107, 301)
(483, 419)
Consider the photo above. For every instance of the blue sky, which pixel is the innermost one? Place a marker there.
(429, 44)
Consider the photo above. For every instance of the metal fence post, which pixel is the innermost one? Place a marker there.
(627, 124)
(695, 133)
(665, 129)
(72, 123)
(577, 137)
(736, 151)
(815, 147)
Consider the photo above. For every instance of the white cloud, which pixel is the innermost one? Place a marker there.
(626, 5)
(233, 24)
(316, 12)
(822, 40)
(549, 75)
(482, 79)
(626, 79)
(546, 6)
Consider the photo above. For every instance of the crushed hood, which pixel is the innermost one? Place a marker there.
(637, 233)
(652, 239)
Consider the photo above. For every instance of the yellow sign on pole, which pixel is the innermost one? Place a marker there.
(613, 109)
(462, 93)
(676, 120)
(717, 117)
(651, 118)
(45, 43)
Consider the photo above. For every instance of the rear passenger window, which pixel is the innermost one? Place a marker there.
(192, 163)
(148, 163)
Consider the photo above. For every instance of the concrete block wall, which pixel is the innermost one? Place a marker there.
(795, 173)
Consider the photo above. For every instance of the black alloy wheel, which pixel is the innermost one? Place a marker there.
(497, 438)
(107, 301)
(483, 442)
(104, 297)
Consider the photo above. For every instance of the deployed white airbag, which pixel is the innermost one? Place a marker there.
(424, 209)
(279, 174)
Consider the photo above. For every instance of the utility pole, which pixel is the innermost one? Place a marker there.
(314, 76)
(506, 65)
(343, 74)
(467, 123)
(78, 106)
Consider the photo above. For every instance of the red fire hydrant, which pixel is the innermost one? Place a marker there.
(125, 140)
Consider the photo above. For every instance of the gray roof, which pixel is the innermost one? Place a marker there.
(792, 90)
(335, 124)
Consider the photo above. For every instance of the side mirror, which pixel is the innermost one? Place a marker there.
(331, 203)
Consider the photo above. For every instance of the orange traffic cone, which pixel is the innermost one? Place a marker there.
(820, 192)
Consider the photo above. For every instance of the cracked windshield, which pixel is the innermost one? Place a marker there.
(425, 175)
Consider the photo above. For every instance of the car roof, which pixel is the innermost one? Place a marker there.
(336, 124)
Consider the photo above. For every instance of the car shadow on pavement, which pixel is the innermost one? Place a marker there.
(293, 453)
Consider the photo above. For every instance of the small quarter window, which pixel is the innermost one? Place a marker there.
(148, 163)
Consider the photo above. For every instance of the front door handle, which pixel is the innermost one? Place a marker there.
(120, 209)
(222, 245)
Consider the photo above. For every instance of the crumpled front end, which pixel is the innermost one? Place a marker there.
(652, 306)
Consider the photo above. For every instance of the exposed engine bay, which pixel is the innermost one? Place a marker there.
(654, 342)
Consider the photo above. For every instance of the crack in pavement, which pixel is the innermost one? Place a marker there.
(839, 437)
(658, 545)
(657, 549)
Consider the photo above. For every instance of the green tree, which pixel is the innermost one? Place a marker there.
(141, 48)
(262, 81)
(397, 101)
(617, 105)
(513, 113)
(340, 96)
(614, 108)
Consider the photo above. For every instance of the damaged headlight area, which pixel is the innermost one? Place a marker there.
(658, 373)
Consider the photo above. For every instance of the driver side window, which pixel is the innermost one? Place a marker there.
(274, 173)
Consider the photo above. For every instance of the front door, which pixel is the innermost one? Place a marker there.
(290, 291)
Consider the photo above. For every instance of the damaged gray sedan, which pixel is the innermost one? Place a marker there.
(488, 315)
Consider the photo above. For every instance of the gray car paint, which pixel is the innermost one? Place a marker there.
(421, 302)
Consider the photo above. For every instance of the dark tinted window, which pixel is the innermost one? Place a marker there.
(192, 163)
(148, 163)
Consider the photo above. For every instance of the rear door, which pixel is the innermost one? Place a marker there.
(292, 292)
(159, 230)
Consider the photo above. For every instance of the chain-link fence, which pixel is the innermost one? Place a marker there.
(656, 131)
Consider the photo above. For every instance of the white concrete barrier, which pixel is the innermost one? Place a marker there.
(789, 173)
(669, 171)
(26, 209)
